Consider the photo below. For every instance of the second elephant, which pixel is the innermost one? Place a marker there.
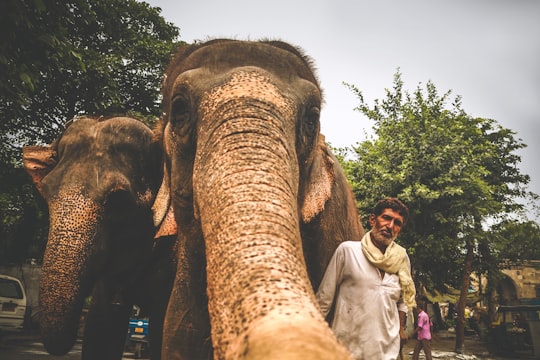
(99, 180)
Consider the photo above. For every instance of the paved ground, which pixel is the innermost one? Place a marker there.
(443, 345)
(29, 347)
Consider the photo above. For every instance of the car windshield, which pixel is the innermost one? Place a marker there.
(10, 289)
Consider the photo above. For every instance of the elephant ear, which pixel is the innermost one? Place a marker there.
(162, 210)
(319, 183)
(38, 161)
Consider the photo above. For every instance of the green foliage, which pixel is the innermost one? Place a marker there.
(24, 223)
(454, 172)
(516, 242)
(60, 59)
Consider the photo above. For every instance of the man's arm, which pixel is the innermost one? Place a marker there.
(331, 279)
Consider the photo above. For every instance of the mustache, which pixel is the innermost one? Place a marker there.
(387, 232)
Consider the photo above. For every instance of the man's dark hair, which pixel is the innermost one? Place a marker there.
(394, 204)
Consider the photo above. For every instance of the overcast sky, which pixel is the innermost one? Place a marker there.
(487, 51)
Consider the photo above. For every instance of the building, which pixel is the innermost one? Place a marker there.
(520, 285)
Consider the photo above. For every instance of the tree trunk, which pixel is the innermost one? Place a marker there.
(491, 295)
(460, 321)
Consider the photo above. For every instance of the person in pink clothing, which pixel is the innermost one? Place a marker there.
(423, 330)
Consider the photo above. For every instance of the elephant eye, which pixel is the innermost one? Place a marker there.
(311, 121)
(313, 115)
(307, 131)
(180, 112)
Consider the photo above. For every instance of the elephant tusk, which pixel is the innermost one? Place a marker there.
(161, 205)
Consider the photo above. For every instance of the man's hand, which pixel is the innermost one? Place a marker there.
(402, 332)
(402, 335)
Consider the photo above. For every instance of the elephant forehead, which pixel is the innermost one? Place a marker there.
(253, 84)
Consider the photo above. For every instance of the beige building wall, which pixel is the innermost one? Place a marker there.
(526, 279)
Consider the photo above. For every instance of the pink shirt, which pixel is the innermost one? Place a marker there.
(425, 326)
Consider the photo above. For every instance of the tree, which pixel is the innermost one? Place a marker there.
(60, 59)
(454, 171)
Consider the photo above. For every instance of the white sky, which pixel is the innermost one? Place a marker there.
(487, 51)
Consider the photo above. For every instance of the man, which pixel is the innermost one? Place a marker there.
(423, 330)
(369, 285)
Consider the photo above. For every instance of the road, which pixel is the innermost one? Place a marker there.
(30, 348)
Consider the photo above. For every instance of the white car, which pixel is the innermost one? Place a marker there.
(12, 304)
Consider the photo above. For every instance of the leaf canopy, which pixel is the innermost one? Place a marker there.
(455, 172)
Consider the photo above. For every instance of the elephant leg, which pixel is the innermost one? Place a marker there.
(106, 327)
(161, 282)
(186, 331)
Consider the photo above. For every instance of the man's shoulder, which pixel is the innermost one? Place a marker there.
(349, 247)
(349, 244)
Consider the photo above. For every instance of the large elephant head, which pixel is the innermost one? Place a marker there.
(99, 179)
(251, 183)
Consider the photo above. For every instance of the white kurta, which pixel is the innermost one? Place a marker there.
(366, 315)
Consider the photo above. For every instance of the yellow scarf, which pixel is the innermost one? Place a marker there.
(393, 261)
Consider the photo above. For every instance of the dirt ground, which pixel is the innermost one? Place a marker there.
(443, 345)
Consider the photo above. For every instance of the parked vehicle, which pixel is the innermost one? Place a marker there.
(516, 332)
(12, 304)
(137, 340)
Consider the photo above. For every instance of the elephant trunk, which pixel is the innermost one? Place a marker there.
(65, 279)
(260, 299)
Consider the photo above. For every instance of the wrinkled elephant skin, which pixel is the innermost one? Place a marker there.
(99, 179)
(261, 202)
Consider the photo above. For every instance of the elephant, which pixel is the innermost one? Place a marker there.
(99, 179)
(261, 201)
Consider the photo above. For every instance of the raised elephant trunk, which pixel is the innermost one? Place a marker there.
(65, 279)
(260, 299)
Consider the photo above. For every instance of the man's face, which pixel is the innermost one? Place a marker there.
(385, 228)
